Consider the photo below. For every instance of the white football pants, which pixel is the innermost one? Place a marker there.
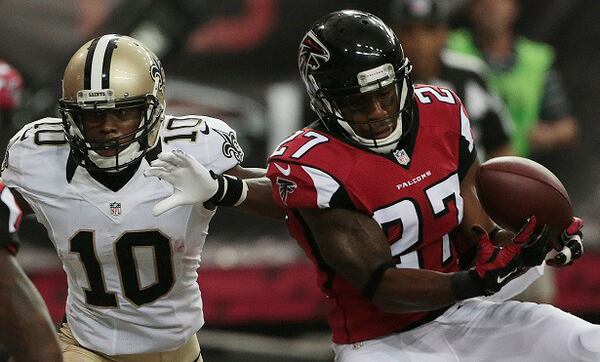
(478, 330)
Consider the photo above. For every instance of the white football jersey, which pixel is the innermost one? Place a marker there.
(132, 277)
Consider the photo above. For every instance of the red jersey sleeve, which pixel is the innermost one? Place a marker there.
(307, 171)
(297, 186)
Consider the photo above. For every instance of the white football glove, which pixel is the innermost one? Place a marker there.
(193, 183)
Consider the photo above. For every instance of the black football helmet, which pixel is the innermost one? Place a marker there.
(349, 60)
(112, 73)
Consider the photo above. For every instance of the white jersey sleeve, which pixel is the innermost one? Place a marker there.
(28, 165)
(209, 140)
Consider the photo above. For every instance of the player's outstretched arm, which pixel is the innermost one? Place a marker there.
(259, 198)
(355, 246)
(27, 332)
(193, 183)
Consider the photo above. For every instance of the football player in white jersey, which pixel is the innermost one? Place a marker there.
(132, 282)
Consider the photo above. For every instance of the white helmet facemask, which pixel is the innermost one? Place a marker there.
(125, 156)
(381, 145)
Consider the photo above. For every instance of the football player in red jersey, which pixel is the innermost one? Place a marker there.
(27, 332)
(378, 193)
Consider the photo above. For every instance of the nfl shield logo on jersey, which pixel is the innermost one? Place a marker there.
(402, 157)
(115, 208)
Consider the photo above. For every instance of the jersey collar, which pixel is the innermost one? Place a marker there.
(114, 181)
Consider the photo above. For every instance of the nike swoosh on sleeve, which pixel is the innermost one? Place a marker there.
(285, 171)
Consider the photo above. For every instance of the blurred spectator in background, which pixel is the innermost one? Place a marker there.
(422, 27)
(522, 73)
(11, 88)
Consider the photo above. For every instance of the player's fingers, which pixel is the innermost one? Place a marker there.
(564, 257)
(552, 263)
(173, 158)
(166, 165)
(483, 239)
(183, 157)
(161, 173)
(541, 239)
(574, 227)
(576, 246)
(166, 205)
(479, 232)
(155, 172)
(527, 231)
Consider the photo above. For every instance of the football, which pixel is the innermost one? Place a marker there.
(511, 189)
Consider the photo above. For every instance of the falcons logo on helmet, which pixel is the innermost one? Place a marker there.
(312, 52)
(286, 187)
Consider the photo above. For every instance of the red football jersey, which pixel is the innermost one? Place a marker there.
(412, 193)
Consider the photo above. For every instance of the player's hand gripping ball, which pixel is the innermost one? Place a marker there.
(512, 189)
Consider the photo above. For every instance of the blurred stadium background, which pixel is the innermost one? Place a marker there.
(236, 60)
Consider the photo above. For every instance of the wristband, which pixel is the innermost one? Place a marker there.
(231, 190)
(466, 284)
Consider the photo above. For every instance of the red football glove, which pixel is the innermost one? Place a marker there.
(497, 265)
(572, 241)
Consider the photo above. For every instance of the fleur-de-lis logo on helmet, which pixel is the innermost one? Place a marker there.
(158, 73)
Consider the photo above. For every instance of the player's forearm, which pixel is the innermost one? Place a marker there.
(27, 332)
(259, 200)
(413, 290)
(247, 172)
